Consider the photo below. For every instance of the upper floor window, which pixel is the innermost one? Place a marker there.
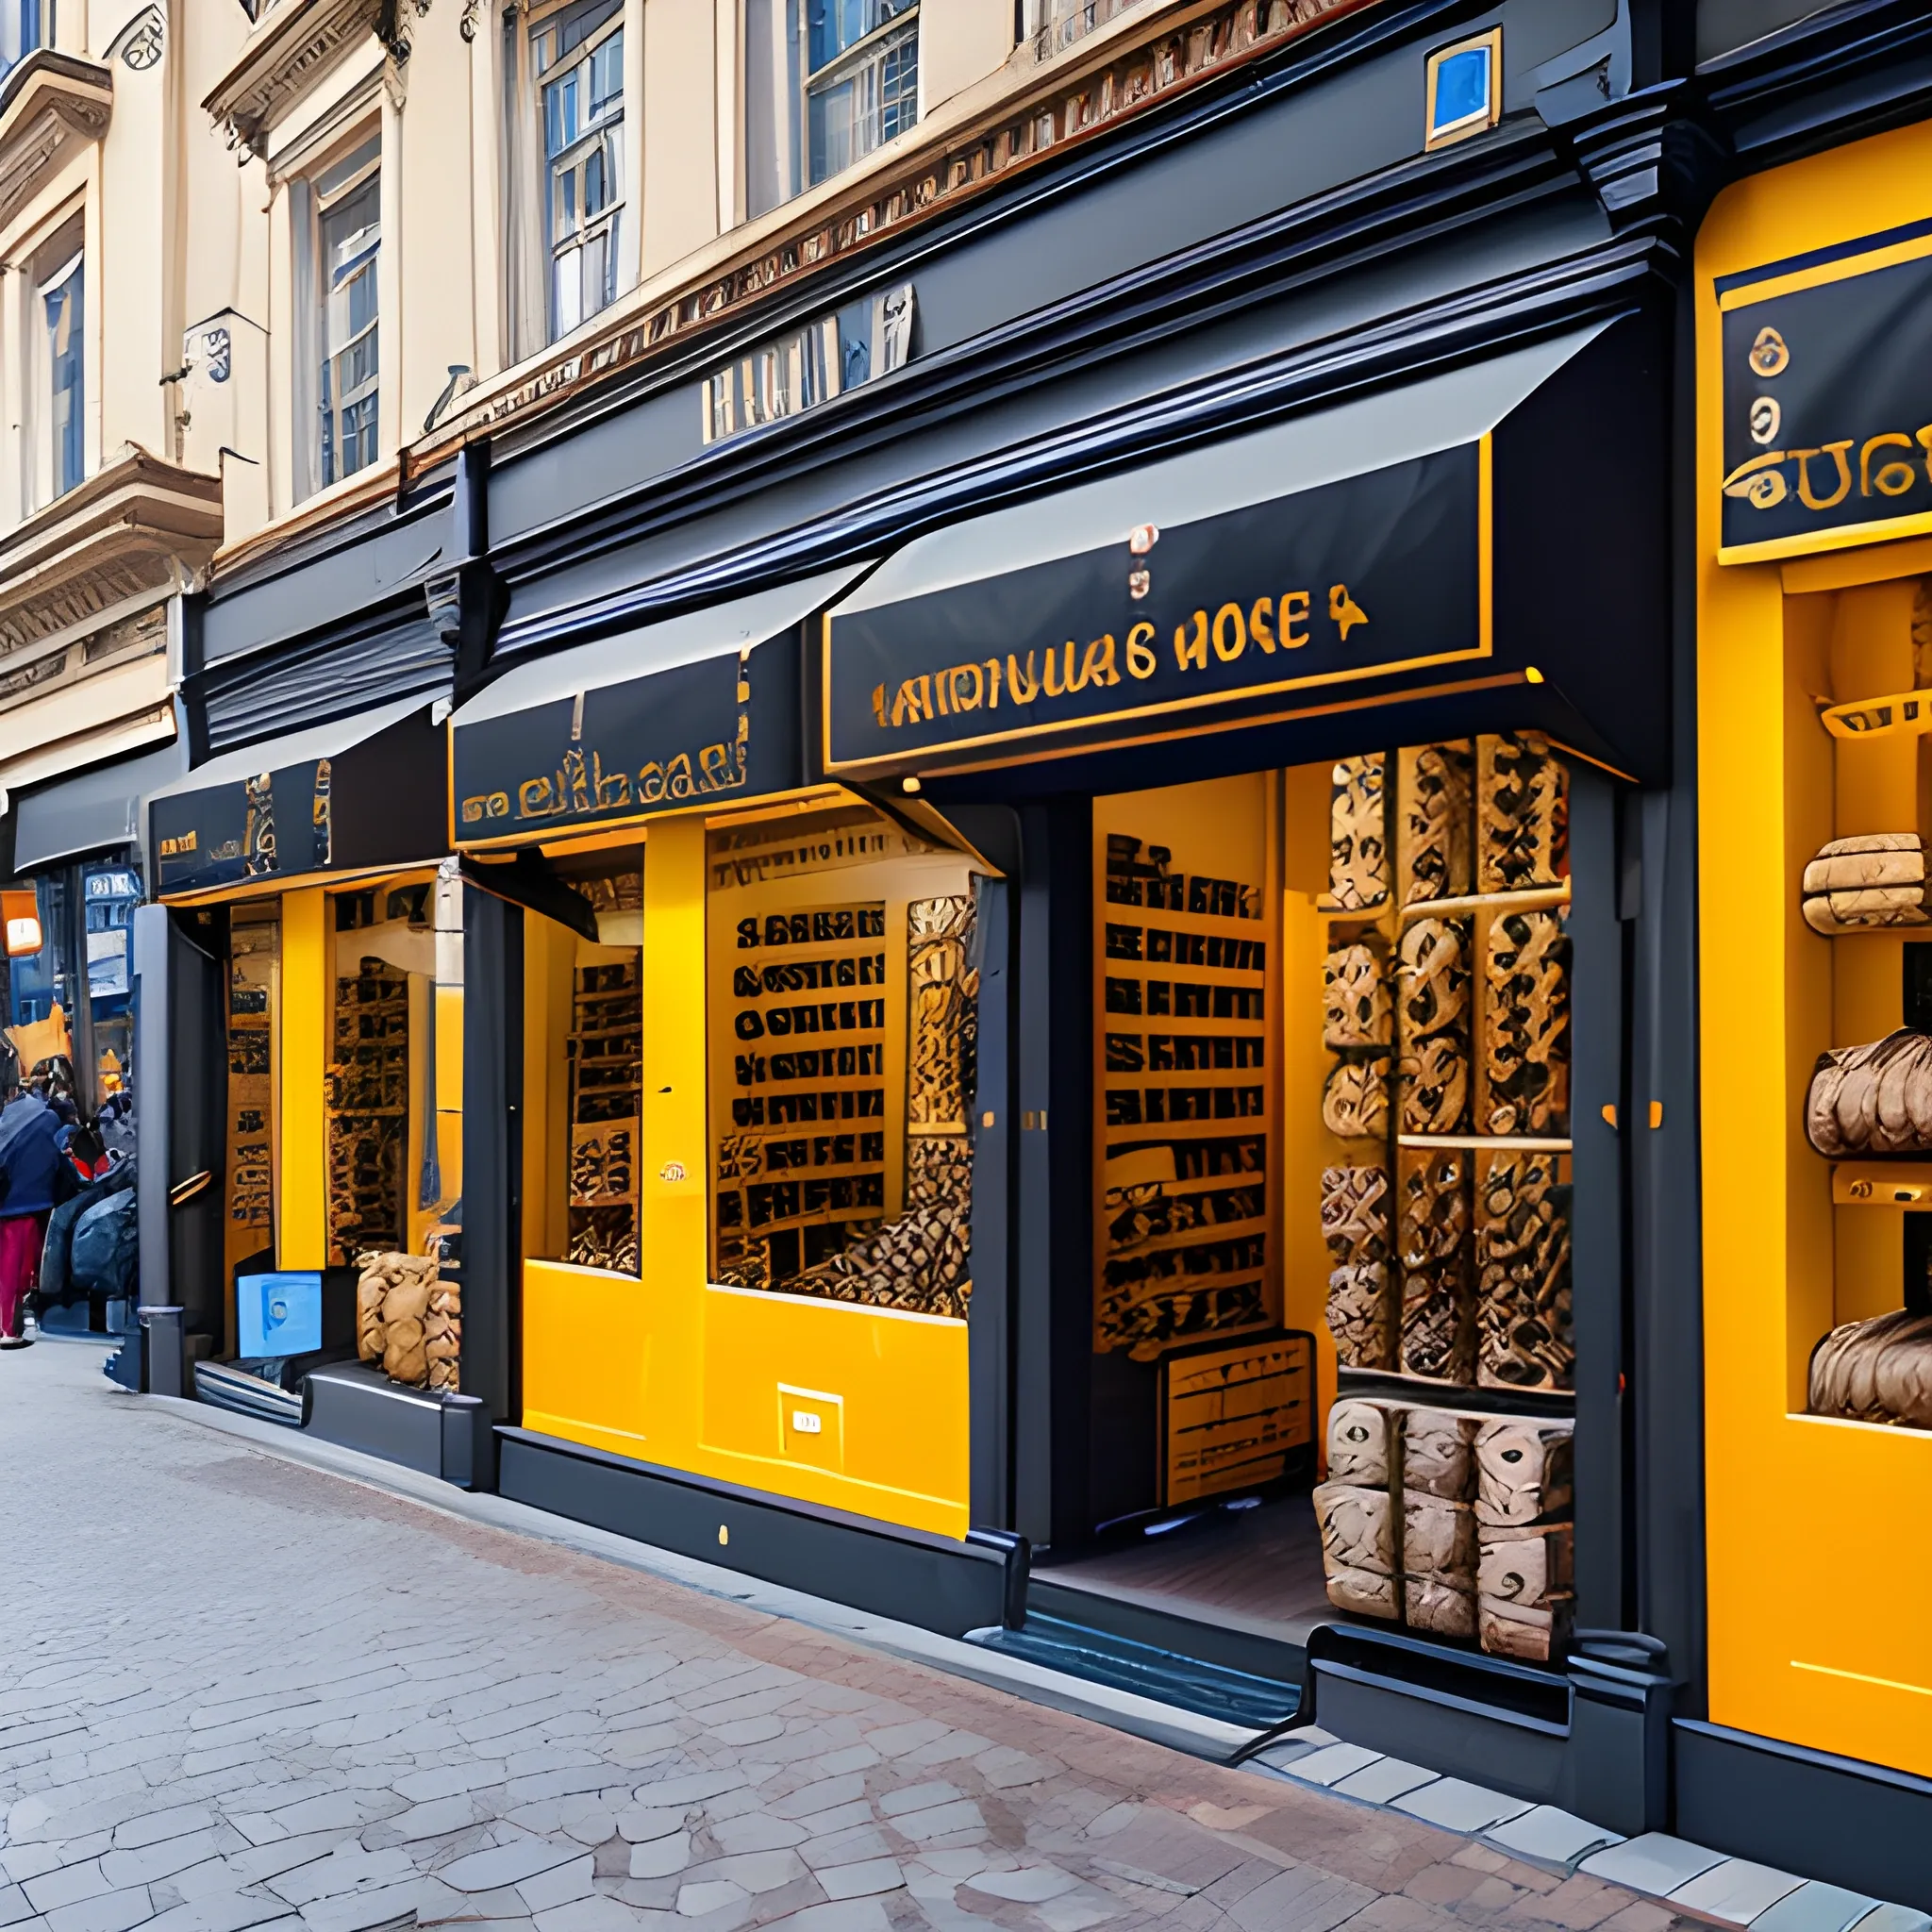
(24, 25)
(342, 370)
(56, 414)
(577, 59)
(827, 82)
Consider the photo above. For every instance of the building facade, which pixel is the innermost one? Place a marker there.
(1150, 577)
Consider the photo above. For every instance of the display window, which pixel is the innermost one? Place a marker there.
(1334, 1352)
(747, 1155)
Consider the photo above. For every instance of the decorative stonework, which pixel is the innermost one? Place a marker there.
(48, 104)
(138, 528)
(290, 50)
(141, 43)
(1178, 53)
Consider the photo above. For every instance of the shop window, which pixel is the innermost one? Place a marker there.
(827, 82)
(1862, 1298)
(56, 391)
(390, 1179)
(337, 245)
(1050, 26)
(841, 1018)
(254, 958)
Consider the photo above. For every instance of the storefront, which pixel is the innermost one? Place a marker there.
(1814, 287)
(306, 954)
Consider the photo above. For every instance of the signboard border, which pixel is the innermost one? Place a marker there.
(1739, 293)
(969, 747)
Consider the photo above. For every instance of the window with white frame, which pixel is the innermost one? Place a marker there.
(566, 246)
(827, 82)
(337, 256)
(54, 417)
(578, 60)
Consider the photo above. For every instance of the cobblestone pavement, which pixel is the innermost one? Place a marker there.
(239, 1692)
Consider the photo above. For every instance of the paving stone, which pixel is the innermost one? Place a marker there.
(508, 1864)
(862, 1880)
(594, 1914)
(229, 1912)
(840, 1915)
(1653, 1862)
(13, 1905)
(558, 1885)
(1331, 1764)
(1028, 1884)
(153, 1827)
(1457, 1805)
(640, 1823)
(65, 1884)
(358, 1911)
(1815, 1907)
(659, 1858)
(821, 1795)
(1379, 1783)
(700, 1901)
(1735, 1891)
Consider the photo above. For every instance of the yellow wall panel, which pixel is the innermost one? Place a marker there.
(1817, 1586)
(303, 1019)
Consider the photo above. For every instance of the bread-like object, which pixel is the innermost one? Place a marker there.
(1359, 1316)
(1355, 1099)
(1358, 835)
(1438, 1539)
(1362, 1592)
(1355, 1213)
(1365, 1443)
(1877, 1371)
(1873, 1099)
(1433, 1604)
(1523, 813)
(1523, 1470)
(1357, 1528)
(1527, 1566)
(1439, 1453)
(1356, 1008)
(1433, 820)
(1533, 1634)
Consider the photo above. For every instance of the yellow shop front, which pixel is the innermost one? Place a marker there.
(742, 1011)
(1814, 289)
(320, 1031)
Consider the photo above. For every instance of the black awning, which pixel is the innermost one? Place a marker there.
(1486, 543)
(362, 792)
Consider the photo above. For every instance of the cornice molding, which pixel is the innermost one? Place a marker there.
(293, 47)
(139, 527)
(48, 104)
(1064, 108)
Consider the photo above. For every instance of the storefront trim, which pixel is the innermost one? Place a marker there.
(932, 1582)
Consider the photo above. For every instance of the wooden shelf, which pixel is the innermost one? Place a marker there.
(1192, 1237)
(1533, 899)
(1476, 1142)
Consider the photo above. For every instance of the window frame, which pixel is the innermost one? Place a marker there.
(839, 67)
(364, 163)
(55, 262)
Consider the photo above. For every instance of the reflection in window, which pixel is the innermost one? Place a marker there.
(827, 82)
(348, 226)
(22, 29)
(62, 318)
(578, 59)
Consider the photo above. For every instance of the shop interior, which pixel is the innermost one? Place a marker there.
(1333, 1357)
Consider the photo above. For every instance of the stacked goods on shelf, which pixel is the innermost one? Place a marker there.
(607, 1045)
(1184, 1191)
(1866, 885)
(1449, 1522)
(1878, 1371)
(1447, 1215)
(801, 1169)
(919, 1261)
(409, 1321)
(250, 1092)
(1874, 1099)
(369, 1110)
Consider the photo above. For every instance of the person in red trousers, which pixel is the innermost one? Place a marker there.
(29, 1185)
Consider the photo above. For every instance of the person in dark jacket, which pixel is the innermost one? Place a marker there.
(30, 1185)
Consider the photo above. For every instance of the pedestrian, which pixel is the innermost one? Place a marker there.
(30, 1185)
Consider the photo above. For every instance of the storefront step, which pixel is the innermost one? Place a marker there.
(360, 1407)
(222, 1387)
(1165, 1677)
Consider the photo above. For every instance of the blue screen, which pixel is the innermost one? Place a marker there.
(1462, 88)
(278, 1314)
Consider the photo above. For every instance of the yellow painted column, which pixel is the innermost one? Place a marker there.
(675, 1199)
(303, 1023)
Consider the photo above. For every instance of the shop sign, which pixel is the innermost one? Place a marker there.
(274, 824)
(621, 752)
(1365, 577)
(119, 884)
(1827, 399)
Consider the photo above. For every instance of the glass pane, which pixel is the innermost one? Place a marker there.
(595, 259)
(64, 308)
(569, 291)
(607, 74)
(832, 25)
(560, 113)
(867, 103)
(595, 191)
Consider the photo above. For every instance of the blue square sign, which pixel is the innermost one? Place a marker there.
(278, 1314)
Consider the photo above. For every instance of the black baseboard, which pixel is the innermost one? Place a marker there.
(907, 1574)
(445, 1436)
(1212, 1643)
(1847, 1822)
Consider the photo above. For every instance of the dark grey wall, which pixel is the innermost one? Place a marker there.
(1724, 25)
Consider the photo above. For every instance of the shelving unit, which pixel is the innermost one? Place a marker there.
(606, 1050)
(369, 1111)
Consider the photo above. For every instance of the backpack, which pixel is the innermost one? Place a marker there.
(106, 1247)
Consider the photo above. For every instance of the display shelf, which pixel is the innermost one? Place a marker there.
(1530, 899)
(1899, 714)
(1901, 1183)
(1477, 1398)
(1476, 1143)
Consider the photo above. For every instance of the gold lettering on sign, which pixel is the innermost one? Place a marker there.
(1809, 496)
(1141, 659)
(1764, 482)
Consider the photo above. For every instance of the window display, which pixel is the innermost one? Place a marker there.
(1446, 1209)
(843, 1014)
(254, 945)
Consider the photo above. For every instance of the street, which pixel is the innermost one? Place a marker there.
(241, 1692)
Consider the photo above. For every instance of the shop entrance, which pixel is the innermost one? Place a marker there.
(1333, 1361)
